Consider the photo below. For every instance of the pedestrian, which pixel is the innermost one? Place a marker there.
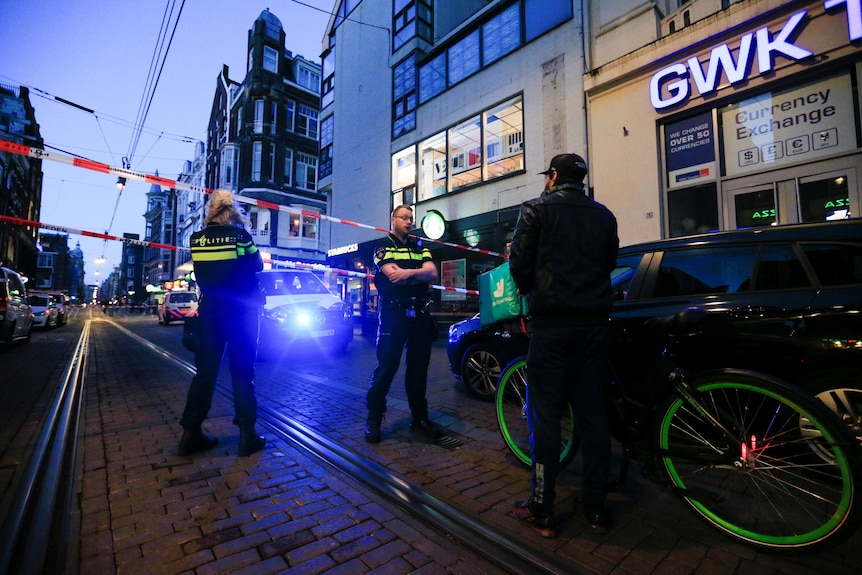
(563, 251)
(404, 270)
(226, 262)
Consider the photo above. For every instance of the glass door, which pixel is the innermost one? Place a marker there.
(751, 207)
(825, 197)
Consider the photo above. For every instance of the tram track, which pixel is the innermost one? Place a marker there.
(503, 552)
(38, 519)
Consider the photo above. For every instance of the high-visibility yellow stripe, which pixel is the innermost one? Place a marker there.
(214, 256)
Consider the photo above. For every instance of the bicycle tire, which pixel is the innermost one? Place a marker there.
(790, 481)
(511, 406)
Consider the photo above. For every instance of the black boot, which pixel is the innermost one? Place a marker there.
(195, 440)
(372, 428)
(250, 442)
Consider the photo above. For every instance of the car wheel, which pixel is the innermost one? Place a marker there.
(481, 366)
(841, 391)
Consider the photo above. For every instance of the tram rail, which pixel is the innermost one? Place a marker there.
(504, 552)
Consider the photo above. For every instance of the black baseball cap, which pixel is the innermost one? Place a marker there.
(569, 165)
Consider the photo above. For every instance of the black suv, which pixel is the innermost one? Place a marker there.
(790, 298)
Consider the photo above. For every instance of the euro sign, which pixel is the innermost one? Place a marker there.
(498, 291)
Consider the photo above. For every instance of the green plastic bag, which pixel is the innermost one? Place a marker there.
(498, 297)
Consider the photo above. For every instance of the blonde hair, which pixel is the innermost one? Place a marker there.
(221, 209)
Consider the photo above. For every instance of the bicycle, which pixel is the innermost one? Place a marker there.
(759, 459)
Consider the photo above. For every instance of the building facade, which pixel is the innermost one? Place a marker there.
(454, 113)
(263, 143)
(190, 208)
(694, 115)
(20, 181)
(739, 114)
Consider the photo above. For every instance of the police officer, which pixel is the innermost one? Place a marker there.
(226, 263)
(404, 270)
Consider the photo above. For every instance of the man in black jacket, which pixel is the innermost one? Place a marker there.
(562, 254)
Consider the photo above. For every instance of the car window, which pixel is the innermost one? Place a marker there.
(39, 300)
(183, 297)
(705, 270)
(289, 283)
(779, 268)
(835, 264)
(621, 277)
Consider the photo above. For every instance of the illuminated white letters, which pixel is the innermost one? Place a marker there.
(673, 78)
(854, 15)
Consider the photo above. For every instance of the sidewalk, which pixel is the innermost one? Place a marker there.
(147, 511)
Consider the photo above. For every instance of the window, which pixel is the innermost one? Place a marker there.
(131, 258)
(404, 169)
(465, 154)
(404, 97)
(326, 135)
(273, 117)
(309, 227)
(432, 78)
(227, 168)
(501, 34)
(410, 18)
(705, 271)
(258, 116)
(779, 268)
(271, 162)
(504, 138)
(306, 122)
(623, 274)
(250, 58)
(130, 272)
(289, 114)
(328, 84)
(464, 58)
(306, 171)
(836, 264)
(270, 59)
(692, 210)
(541, 16)
(256, 153)
(432, 167)
(308, 79)
(288, 167)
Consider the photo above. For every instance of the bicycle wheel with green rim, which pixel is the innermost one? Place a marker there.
(511, 407)
(749, 459)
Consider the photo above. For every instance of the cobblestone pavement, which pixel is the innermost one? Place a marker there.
(144, 510)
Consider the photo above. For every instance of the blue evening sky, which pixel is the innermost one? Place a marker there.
(97, 54)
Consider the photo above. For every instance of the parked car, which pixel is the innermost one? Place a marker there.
(301, 311)
(789, 298)
(44, 310)
(63, 304)
(177, 305)
(16, 316)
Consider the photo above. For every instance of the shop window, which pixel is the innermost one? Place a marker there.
(504, 139)
(824, 199)
(465, 154)
(432, 167)
(692, 210)
(404, 170)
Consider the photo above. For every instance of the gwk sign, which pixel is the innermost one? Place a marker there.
(673, 84)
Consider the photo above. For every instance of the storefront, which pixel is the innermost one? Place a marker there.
(755, 123)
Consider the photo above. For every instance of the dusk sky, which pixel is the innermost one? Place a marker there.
(97, 54)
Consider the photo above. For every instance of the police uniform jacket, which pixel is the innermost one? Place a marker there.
(226, 263)
(409, 254)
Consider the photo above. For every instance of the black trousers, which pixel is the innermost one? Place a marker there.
(234, 328)
(395, 331)
(569, 364)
